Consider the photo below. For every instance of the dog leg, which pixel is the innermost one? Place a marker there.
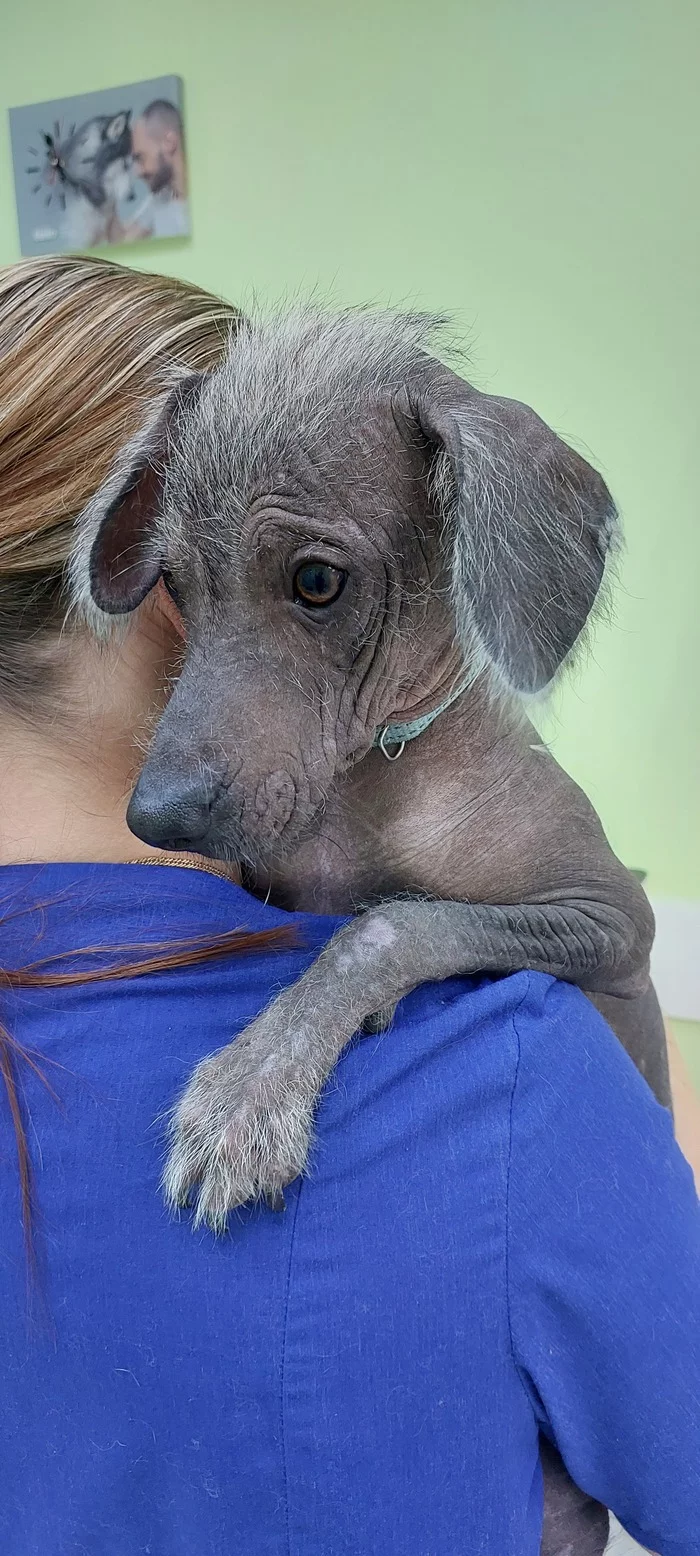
(573, 1523)
(242, 1129)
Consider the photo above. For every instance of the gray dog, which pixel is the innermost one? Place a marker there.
(376, 565)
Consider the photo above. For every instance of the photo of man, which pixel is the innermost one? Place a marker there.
(158, 155)
(103, 168)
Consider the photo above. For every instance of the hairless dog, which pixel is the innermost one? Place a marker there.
(377, 566)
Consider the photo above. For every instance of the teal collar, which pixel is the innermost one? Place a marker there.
(399, 734)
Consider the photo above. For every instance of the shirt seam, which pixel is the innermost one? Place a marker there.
(283, 1364)
(511, 1110)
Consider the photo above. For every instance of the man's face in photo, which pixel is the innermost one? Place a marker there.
(153, 155)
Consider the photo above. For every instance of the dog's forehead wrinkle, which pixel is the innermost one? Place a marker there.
(297, 378)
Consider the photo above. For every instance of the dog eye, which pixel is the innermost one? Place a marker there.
(316, 584)
(171, 587)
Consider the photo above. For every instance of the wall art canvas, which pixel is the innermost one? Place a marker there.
(103, 168)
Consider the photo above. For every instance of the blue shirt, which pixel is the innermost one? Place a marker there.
(498, 1235)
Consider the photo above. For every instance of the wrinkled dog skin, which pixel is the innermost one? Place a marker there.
(351, 532)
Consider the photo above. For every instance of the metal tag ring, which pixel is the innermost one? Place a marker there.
(383, 749)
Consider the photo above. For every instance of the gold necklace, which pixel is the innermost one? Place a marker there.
(226, 872)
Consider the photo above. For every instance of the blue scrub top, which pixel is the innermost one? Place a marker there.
(498, 1235)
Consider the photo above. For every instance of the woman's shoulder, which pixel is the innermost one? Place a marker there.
(539, 1048)
(566, 1047)
(583, 1119)
(537, 1018)
(462, 1056)
(472, 1037)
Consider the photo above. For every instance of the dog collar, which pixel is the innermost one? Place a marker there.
(399, 734)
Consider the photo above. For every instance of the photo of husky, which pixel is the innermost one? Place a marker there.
(108, 167)
(95, 171)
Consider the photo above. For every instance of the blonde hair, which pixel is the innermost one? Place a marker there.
(84, 346)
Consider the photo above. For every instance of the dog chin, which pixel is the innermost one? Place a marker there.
(259, 847)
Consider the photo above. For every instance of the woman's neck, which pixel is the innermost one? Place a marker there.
(66, 777)
(60, 804)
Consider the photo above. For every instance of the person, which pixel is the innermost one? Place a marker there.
(158, 155)
(498, 1237)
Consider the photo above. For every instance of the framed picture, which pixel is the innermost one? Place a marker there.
(105, 167)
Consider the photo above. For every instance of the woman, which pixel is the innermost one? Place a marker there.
(498, 1237)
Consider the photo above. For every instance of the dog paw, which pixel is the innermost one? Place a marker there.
(241, 1131)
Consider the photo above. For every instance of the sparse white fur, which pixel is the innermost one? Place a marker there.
(291, 378)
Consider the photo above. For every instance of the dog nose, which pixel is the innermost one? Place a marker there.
(171, 812)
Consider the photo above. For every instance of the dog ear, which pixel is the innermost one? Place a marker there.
(116, 126)
(533, 524)
(117, 558)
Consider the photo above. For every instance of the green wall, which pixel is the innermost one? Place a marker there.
(531, 165)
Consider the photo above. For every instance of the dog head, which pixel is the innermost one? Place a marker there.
(96, 160)
(335, 513)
